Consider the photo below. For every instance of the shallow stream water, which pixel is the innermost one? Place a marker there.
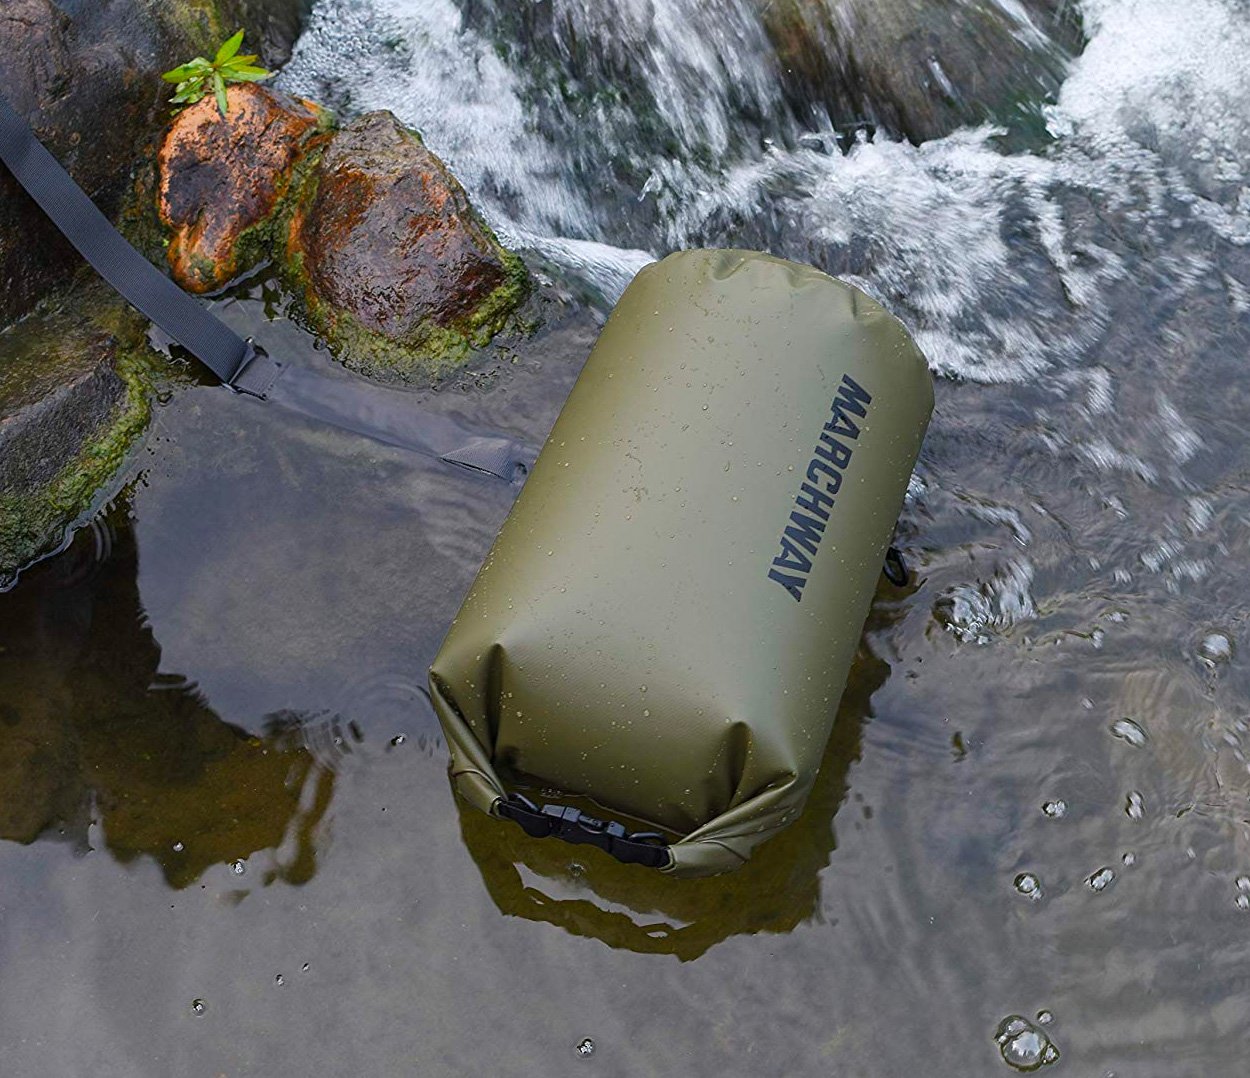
(232, 848)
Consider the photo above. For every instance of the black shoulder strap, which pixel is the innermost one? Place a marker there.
(235, 361)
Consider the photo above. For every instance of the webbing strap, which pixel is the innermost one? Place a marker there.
(237, 362)
(234, 360)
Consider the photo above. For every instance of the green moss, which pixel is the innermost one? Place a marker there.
(429, 353)
(198, 22)
(32, 521)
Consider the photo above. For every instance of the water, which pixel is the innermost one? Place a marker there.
(230, 656)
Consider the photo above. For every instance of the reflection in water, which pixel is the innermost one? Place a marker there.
(93, 732)
(586, 893)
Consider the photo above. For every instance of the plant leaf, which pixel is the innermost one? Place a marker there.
(219, 87)
(240, 61)
(180, 74)
(242, 76)
(229, 49)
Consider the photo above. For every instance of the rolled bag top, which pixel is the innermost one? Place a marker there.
(666, 621)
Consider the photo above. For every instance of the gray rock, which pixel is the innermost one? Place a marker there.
(72, 402)
(52, 399)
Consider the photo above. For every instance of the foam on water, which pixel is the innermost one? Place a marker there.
(988, 255)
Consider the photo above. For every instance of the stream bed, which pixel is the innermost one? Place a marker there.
(230, 844)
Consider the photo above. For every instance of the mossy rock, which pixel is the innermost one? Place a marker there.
(223, 181)
(86, 76)
(395, 267)
(74, 398)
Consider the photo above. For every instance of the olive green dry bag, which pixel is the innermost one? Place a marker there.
(665, 623)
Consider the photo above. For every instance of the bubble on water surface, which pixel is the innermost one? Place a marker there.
(279, 980)
(586, 1048)
(1056, 810)
(1024, 1047)
(1215, 648)
(1045, 1018)
(1130, 731)
(975, 614)
(238, 867)
(1029, 885)
(1135, 805)
(198, 1006)
(178, 847)
(1101, 880)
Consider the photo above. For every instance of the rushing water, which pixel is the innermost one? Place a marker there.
(233, 849)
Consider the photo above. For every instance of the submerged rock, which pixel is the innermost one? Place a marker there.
(86, 77)
(73, 399)
(921, 68)
(398, 270)
(222, 180)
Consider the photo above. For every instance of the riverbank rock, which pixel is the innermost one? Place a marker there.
(87, 78)
(377, 239)
(397, 269)
(922, 68)
(73, 400)
(222, 180)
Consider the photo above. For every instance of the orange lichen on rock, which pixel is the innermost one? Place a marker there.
(221, 179)
(390, 237)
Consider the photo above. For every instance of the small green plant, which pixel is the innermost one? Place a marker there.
(195, 80)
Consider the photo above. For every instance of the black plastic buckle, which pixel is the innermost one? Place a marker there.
(574, 826)
(256, 373)
(895, 568)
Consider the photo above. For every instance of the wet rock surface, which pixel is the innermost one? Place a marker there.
(59, 388)
(393, 265)
(922, 69)
(86, 76)
(398, 270)
(72, 402)
(223, 179)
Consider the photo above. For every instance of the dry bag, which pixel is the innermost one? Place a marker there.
(651, 657)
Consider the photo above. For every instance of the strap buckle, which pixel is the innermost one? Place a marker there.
(256, 373)
(571, 825)
(895, 568)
